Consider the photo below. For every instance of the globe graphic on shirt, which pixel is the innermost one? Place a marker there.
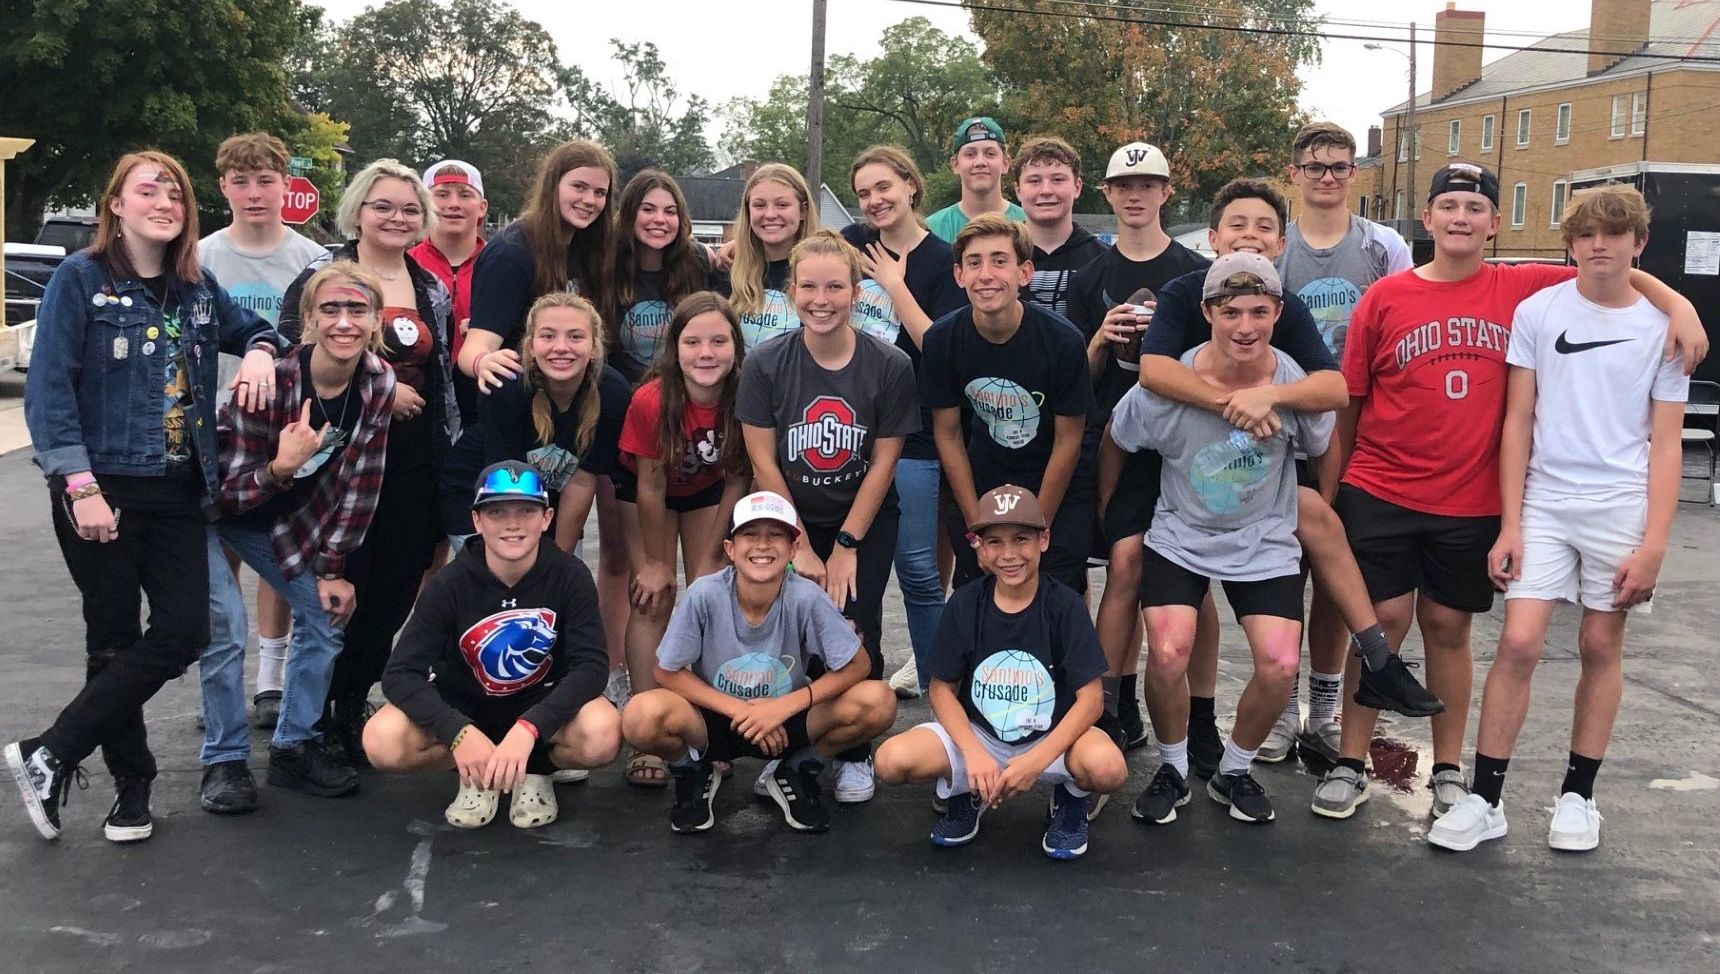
(1331, 300)
(776, 316)
(1010, 412)
(1225, 475)
(754, 676)
(556, 464)
(874, 313)
(642, 329)
(1014, 692)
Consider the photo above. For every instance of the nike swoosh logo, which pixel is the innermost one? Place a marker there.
(1564, 347)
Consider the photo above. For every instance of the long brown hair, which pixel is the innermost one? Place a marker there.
(559, 253)
(109, 250)
(586, 398)
(684, 272)
(897, 160)
(672, 387)
(746, 279)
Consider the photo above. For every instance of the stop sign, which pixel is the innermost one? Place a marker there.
(302, 200)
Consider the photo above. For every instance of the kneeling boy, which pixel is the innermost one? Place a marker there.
(1015, 687)
(500, 671)
(735, 678)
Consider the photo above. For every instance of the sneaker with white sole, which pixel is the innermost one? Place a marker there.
(853, 782)
(129, 820)
(1167, 792)
(1340, 793)
(1448, 789)
(796, 791)
(1239, 790)
(960, 822)
(1576, 825)
(43, 783)
(696, 784)
(906, 681)
(1066, 833)
(1321, 738)
(534, 805)
(1470, 822)
(761, 784)
(570, 776)
(472, 807)
(1280, 741)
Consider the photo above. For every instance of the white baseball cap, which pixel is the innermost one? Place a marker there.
(764, 505)
(453, 171)
(1138, 159)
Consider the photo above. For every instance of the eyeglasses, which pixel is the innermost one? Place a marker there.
(352, 309)
(386, 209)
(1318, 170)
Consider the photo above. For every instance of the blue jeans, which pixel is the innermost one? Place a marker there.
(310, 664)
(917, 555)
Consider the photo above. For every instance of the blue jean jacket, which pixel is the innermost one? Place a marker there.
(94, 398)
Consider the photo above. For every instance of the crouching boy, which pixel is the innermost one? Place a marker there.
(1015, 687)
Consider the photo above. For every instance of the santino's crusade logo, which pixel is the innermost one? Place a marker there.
(829, 441)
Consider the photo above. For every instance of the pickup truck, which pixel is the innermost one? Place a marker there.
(28, 268)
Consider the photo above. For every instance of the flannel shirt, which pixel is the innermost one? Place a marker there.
(321, 534)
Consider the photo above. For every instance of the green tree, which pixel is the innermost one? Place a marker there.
(644, 122)
(91, 80)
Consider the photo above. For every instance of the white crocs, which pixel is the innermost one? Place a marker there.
(533, 804)
(472, 808)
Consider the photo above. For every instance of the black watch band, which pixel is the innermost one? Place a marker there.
(847, 540)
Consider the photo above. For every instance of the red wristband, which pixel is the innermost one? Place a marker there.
(530, 729)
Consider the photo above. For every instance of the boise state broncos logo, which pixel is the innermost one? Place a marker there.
(510, 650)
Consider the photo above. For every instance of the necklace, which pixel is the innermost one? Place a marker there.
(345, 404)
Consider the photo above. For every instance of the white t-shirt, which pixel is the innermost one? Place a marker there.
(1597, 373)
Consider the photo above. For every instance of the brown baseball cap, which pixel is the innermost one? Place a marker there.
(1011, 505)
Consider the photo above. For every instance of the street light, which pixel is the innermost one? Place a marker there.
(1410, 146)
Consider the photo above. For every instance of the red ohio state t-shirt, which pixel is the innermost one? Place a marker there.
(701, 465)
(1425, 361)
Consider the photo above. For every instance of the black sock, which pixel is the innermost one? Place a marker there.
(1370, 644)
(799, 759)
(1112, 686)
(1580, 775)
(1201, 708)
(1129, 696)
(538, 761)
(1489, 777)
(1354, 764)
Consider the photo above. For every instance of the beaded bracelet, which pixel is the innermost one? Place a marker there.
(455, 743)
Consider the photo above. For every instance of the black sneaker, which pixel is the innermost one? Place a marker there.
(343, 732)
(266, 709)
(1134, 731)
(1159, 803)
(797, 793)
(1247, 800)
(696, 785)
(228, 789)
(1394, 688)
(129, 819)
(1205, 747)
(310, 767)
(960, 822)
(43, 781)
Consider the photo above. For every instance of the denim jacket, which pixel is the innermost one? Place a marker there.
(94, 395)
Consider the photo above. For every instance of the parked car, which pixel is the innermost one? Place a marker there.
(69, 233)
(28, 268)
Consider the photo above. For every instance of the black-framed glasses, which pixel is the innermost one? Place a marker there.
(352, 309)
(386, 209)
(1318, 170)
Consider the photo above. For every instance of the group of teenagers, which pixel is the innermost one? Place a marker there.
(404, 439)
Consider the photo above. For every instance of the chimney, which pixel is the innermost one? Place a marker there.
(1617, 28)
(1373, 140)
(1457, 67)
(748, 167)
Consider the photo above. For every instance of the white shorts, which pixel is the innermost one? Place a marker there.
(1571, 553)
(1056, 774)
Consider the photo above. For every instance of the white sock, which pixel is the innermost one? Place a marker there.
(1236, 760)
(1325, 690)
(1175, 755)
(272, 662)
(1293, 706)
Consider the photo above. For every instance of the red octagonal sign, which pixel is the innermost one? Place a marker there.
(302, 201)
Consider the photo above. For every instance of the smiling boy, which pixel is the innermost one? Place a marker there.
(979, 157)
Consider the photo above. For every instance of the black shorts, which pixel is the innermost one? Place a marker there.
(1131, 509)
(1164, 582)
(495, 716)
(627, 489)
(726, 744)
(1401, 551)
(1305, 476)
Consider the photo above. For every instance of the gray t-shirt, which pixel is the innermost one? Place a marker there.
(255, 281)
(827, 422)
(1332, 280)
(1227, 502)
(709, 633)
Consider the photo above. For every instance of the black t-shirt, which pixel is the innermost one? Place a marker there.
(643, 323)
(1016, 673)
(1053, 272)
(1014, 389)
(1107, 282)
(931, 280)
(340, 414)
(1178, 325)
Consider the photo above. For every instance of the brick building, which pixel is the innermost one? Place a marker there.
(1628, 89)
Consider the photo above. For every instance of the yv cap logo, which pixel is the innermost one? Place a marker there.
(1004, 503)
(1134, 156)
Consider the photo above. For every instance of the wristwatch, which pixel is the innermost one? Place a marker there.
(847, 540)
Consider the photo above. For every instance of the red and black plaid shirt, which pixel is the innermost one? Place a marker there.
(331, 524)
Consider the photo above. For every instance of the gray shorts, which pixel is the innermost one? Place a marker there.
(1055, 774)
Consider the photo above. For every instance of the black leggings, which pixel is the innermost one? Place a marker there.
(877, 552)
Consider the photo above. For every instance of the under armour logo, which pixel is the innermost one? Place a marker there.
(1004, 503)
(510, 603)
(1133, 156)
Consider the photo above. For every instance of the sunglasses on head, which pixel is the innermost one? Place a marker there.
(526, 482)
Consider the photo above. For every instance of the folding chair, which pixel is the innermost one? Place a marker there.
(1703, 407)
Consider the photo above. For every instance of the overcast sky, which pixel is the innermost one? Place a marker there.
(724, 48)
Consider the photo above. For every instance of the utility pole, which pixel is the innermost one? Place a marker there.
(815, 105)
(1414, 141)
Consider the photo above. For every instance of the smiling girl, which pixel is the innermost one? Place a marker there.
(776, 213)
(656, 263)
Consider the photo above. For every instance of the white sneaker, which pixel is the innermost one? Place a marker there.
(761, 785)
(570, 776)
(534, 803)
(906, 682)
(1448, 789)
(854, 782)
(1470, 822)
(1280, 741)
(472, 808)
(1576, 824)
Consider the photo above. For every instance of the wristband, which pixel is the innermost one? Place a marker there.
(530, 728)
(455, 743)
(809, 700)
(91, 489)
(79, 479)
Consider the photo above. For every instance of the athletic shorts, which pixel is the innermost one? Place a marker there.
(1402, 551)
(957, 783)
(495, 716)
(627, 489)
(1305, 476)
(1571, 554)
(726, 743)
(1164, 582)
(1131, 509)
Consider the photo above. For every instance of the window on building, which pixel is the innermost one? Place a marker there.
(1453, 137)
(1487, 125)
(1562, 124)
(1559, 190)
(1522, 128)
(1403, 146)
(1398, 205)
(1639, 113)
(1618, 116)
(1519, 203)
(1418, 142)
(1362, 207)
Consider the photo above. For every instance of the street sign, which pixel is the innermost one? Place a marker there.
(299, 165)
(302, 201)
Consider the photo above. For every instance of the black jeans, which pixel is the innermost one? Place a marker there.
(877, 552)
(160, 555)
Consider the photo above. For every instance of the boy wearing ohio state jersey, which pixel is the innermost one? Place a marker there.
(1420, 498)
(500, 671)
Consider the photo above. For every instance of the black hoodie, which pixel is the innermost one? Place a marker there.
(478, 638)
(1052, 272)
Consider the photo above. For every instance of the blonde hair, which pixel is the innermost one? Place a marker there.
(746, 279)
(347, 272)
(826, 243)
(587, 397)
(351, 201)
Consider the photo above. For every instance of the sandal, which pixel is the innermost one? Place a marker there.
(647, 770)
(534, 803)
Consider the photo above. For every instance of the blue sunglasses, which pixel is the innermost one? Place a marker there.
(524, 484)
